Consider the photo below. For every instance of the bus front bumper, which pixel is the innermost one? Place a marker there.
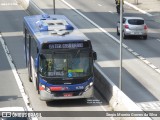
(46, 96)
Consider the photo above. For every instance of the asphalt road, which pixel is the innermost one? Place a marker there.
(140, 82)
(104, 14)
(11, 28)
(10, 95)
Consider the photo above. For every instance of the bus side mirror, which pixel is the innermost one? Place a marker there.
(94, 55)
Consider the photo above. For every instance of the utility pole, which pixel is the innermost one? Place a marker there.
(121, 38)
(54, 9)
(136, 2)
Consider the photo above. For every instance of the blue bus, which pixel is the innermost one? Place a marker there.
(59, 58)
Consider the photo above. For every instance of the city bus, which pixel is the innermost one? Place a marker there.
(59, 58)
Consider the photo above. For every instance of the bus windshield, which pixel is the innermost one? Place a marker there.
(65, 65)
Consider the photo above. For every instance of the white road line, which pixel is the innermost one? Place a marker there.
(111, 12)
(133, 6)
(99, 5)
(153, 66)
(141, 58)
(146, 61)
(125, 46)
(130, 50)
(158, 40)
(149, 105)
(19, 82)
(136, 54)
(142, 105)
(8, 4)
(152, 106)
(107, 33)
(158, 70)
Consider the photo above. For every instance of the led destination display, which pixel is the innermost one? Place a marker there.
(65, 45)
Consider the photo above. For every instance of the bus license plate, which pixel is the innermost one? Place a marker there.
(68, 94)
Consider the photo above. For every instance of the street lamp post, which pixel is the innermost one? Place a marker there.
(121, 37)
(136, 2)
(54, 9)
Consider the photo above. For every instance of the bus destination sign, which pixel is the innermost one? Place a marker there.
(64, 45)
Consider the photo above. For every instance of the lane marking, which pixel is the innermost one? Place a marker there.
(111, 12)
(15, 73)
(130, 50)
(8, 4)
(141, 58)
(158, 70)
(153, 66)
(99, 5)
(138, 9)
(149, 105)
(147, 62)
(112, 37)
(136, 54)
(158, 40)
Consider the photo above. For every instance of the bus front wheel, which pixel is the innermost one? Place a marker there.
(29, 74)
(37, 86)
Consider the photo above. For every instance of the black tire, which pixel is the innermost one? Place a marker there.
(145, 37)
(118, 32)
(37, 86)
(124, 36)
(29, 73)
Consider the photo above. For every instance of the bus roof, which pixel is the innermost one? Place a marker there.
(58, 33)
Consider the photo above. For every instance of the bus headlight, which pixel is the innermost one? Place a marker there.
(91, 84)
(43, 86)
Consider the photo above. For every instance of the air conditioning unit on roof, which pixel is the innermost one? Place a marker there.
(49, 25)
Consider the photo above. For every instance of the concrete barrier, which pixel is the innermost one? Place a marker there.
(116, 98)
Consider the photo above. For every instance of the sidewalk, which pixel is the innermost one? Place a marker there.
(150, 6)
